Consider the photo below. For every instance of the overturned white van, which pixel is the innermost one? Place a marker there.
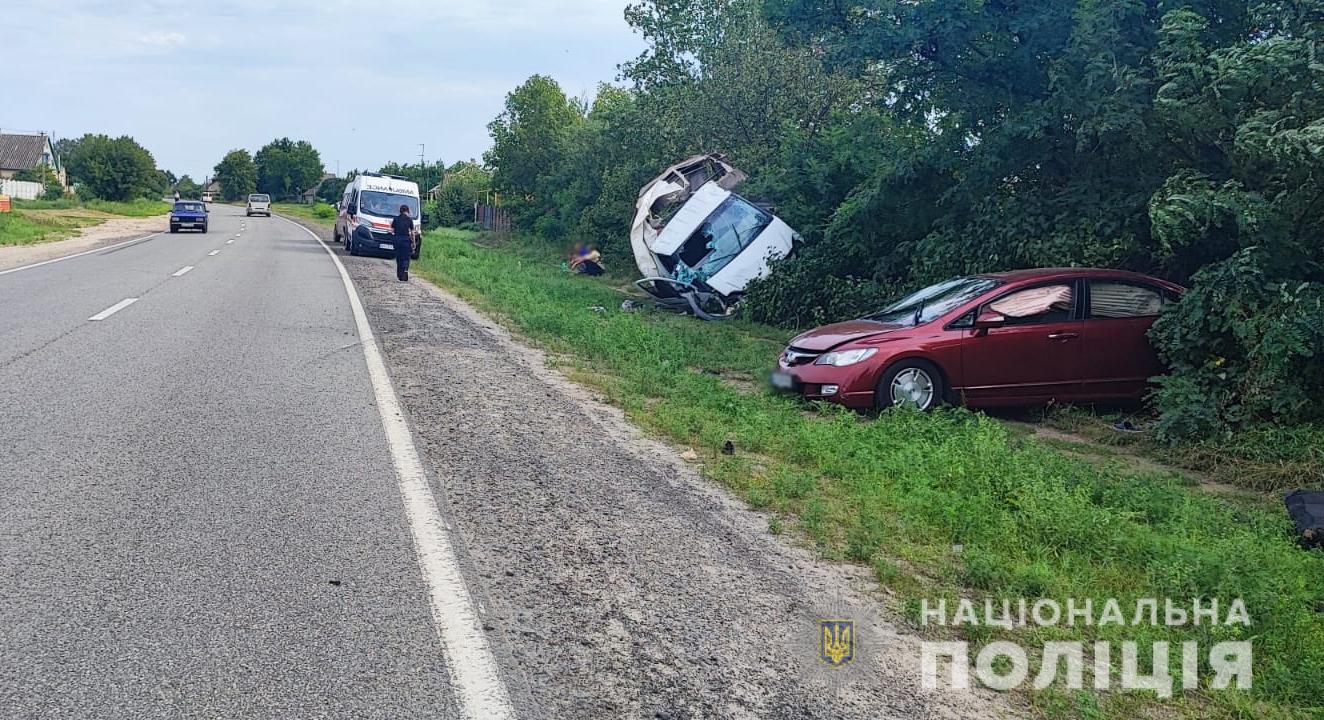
(697, 243)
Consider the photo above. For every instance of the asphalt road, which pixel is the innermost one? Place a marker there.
(201, 517)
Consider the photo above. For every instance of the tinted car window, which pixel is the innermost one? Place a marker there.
(1033, 306)
(259, 198)
(1110, 299)
(188, 207)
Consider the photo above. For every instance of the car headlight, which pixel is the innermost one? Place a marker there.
(842, 358)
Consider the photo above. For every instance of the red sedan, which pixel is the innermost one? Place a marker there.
(1014, 338)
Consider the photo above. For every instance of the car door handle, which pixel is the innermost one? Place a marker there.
(1064, 336)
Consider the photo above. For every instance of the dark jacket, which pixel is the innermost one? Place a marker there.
(402, 226)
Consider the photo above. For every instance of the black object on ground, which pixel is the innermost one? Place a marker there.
(1307, 510)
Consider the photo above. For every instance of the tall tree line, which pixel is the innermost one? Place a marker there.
(912, 141)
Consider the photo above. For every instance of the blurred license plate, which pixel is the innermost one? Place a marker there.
(783, 381)
(386, 246)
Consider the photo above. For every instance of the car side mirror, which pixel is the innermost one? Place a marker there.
(988, 320)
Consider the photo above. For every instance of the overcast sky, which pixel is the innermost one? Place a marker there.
(364, 82)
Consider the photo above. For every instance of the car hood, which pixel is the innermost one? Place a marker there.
(830, 336)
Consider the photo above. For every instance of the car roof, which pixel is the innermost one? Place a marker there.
(1071, 272)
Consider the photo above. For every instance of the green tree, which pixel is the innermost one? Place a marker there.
(528, 140)
(111, 168)
(286, 168)
(237, 174)
(187, 187)
(332, 189)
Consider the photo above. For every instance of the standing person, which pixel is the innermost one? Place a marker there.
(402, 231)
(176, 196)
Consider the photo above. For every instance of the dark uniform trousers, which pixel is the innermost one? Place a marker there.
(404, 247)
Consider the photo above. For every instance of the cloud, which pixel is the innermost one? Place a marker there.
(163, 39)
(365, 83)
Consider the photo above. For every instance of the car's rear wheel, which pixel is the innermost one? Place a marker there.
(914, 383)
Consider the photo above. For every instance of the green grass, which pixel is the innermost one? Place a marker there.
(1266, 458)
(18, 228)
(900, 492)
(38, 221)
(132, 208)
(321, 213)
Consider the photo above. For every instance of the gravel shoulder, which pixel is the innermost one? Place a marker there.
(618, 582)
(88, 238)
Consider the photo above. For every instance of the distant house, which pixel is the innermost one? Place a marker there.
(212, 189)
(309, 196)
(25, 151)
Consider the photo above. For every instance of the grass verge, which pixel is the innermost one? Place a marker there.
(1264, 458)
(321, 213)
(945, 505)
(38, 221)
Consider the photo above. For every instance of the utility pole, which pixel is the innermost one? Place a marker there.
(423, 165)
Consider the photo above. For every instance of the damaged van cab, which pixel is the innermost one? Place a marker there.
(698, 243)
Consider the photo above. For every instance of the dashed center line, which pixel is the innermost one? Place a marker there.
(113, 309)
(213, 252)
(182, 271)
(231, 240)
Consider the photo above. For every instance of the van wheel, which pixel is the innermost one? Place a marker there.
(352, 245)
(916, 383)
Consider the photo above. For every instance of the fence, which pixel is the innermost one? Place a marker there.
(492, 218)
(21, 189)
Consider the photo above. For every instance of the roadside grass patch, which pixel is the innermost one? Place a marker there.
(949, 504)
(140, 207)
(1265, 458)
(22, 227)
(38, 221)
(320, 213)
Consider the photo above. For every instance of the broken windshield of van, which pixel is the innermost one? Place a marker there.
(383, 204)
(720, 238)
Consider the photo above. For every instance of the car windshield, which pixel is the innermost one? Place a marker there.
(384, 205)
(728, 230)
(188, 207)
(259, 198)
(934, 301)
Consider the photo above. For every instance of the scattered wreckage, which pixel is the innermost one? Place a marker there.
(697, 243)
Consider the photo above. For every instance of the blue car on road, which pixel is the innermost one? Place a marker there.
(188, 214)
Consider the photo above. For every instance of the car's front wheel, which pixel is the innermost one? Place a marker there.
(914, 383)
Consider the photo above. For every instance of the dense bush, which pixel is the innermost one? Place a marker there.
(909, 142)
(1245, 345)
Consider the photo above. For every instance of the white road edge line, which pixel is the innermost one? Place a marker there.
(71, 257)
(213, 252)
(113, 309)
(473, 670)
(182, 271)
